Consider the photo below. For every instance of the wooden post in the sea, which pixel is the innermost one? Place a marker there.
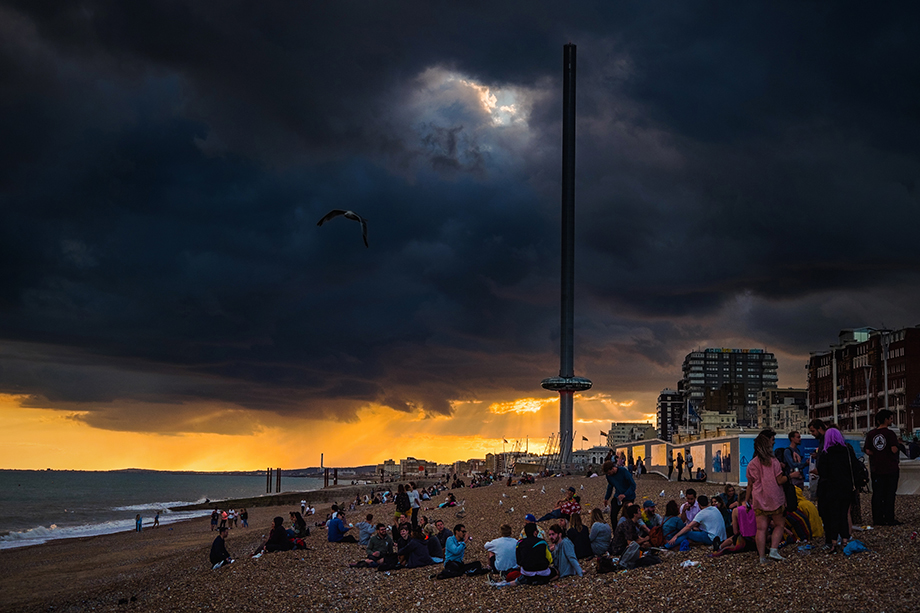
(268, 480)
(325, 478)
(278, 480)
(335, 476)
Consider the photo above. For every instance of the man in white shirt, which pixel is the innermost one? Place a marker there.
(689, 509)
(502, 551)
(707, 527)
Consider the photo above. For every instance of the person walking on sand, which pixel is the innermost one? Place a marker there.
(156, 520)
(137, 523)
(765, 479)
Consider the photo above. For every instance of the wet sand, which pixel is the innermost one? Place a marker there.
(167, 569)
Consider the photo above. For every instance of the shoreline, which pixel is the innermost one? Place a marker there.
(166, 569)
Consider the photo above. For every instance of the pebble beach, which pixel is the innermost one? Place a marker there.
(167, 569)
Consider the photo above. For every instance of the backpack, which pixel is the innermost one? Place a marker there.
(860, 473)
(656, 537)
(402, 503)
(631, 556)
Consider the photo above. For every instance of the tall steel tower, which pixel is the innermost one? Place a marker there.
(567, 383)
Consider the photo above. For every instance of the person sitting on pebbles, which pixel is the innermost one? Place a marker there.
(379, 547)
(277, 539)
(219, 554)
(563, 551)
(530, 518)
(534, 558)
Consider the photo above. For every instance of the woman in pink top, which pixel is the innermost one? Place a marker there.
(765, 478)
(744, 529)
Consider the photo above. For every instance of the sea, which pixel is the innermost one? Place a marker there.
(39, 506)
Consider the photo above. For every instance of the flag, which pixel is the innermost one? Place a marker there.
(584, 438)
(603, 433)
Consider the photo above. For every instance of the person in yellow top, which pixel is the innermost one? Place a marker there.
(811, 512)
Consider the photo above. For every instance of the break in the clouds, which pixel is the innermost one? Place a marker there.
(745, 175)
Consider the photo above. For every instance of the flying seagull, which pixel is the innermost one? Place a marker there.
(348, 215)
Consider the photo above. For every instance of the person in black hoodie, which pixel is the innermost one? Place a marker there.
(415, 551)
(277, 539)
(835, 489)
(534, 558)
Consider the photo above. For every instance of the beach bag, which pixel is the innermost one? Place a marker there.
(631, 556)
(656, 537)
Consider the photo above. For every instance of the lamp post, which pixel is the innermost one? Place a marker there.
(868, 370)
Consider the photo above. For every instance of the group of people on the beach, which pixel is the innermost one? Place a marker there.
(771, 512)
(228, 518)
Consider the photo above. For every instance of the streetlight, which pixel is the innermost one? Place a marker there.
(868, 369)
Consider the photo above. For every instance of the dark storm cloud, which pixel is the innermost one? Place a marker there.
(743, 172)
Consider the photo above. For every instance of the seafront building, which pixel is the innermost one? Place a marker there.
(670, 413)
(728, 380)
(783, 410)
(867, 370)
(624, 432)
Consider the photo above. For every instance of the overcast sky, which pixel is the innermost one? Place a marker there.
(747, 176)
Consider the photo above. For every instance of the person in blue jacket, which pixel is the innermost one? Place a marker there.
(621, 489)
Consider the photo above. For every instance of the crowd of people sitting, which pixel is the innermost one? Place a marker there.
(773, 511)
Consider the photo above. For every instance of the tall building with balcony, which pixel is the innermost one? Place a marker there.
(848, 381)
(670, 413)
(728, 380)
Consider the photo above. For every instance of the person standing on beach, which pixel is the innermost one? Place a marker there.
(680, 466)
(156, 520)
(765, 479)
(621, 489)
(244, 517)
(303, 507)
(882, 447)
(214, 517)
(689, 466)
(415, 502)
(137, 522)
(219, 554)
(670, 464)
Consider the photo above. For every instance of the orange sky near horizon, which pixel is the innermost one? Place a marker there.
(39, 438)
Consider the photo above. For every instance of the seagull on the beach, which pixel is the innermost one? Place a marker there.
(504, 495)
(511, 510)
(501, 502)
(682, 493)
(543, 490)
(582, 487)
(661, 493)
(348, 215)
